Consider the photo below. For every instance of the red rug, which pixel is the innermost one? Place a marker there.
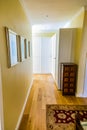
(62, 117)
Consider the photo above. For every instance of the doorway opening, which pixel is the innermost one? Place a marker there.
(44, 54)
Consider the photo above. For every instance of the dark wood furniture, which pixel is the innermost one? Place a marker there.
(68, 74)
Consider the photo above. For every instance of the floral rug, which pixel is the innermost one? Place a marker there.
(62, 117)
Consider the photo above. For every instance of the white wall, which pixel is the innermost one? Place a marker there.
(81, 71)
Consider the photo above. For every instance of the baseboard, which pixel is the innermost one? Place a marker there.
(79, 95)
(21, 114)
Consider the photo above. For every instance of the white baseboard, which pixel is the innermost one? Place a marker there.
(21, 114)
(79, 95)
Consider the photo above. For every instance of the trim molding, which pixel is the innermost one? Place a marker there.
(79, 95)
(1, 104)
(21, 114)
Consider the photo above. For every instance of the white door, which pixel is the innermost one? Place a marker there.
(46, 55)
(36, 54)
(1, 105)
(42, 55)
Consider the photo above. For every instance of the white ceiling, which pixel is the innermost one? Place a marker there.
(51, 14)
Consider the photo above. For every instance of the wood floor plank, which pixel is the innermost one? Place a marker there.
(44, 91)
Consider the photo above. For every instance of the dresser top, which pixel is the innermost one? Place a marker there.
(67, 63)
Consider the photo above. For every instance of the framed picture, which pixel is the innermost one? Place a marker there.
(29, 49)
(26, 48)
(12, 48)
(22, 48)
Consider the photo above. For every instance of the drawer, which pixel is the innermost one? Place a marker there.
(67, 68)
(66, 79)
(66, 85)
(72, 79)
(66, 74)
(65, 90)
(72, 74)
(71, 90)
(72, 68)
(71, 85)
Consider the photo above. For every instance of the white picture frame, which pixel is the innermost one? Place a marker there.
(22, 48)
(12, 48)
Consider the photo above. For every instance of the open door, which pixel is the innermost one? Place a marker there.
(53, 55)
(85, 81)
(1, 104)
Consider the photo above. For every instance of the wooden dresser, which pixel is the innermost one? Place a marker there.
(68, 75)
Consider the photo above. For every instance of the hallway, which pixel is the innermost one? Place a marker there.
(44, 91)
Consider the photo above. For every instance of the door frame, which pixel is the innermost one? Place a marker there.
(85, 78)
(54, 55)
(1, 104)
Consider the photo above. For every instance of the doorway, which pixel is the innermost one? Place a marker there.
(44, 55)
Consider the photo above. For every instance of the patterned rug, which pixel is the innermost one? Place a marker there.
(62, 117)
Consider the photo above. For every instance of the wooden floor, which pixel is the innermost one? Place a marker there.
(44, 91)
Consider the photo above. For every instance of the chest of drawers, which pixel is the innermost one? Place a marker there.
(68, 76)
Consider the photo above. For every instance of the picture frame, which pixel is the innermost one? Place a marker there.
(27, 48)
(12, 48)
(22, 48)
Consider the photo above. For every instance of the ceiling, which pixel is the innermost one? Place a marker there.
(51, 14)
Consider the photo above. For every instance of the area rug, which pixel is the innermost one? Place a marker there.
(62, 117)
